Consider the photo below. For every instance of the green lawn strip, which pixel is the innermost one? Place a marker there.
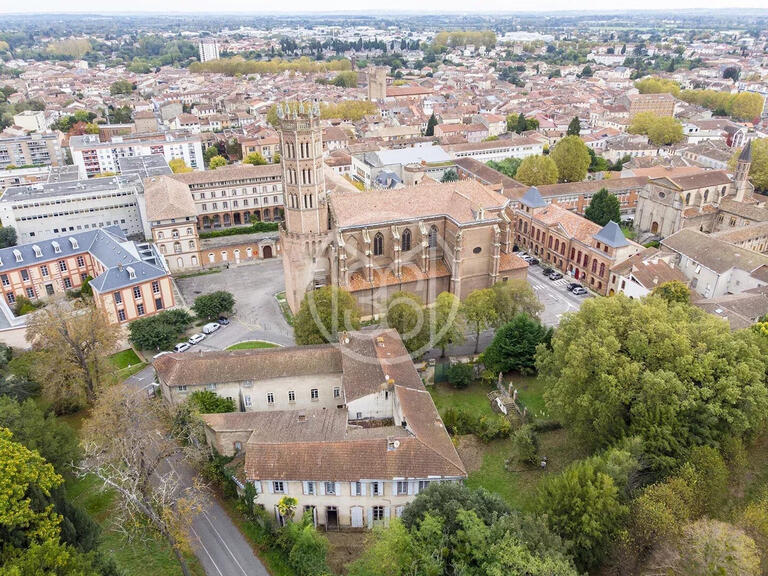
(135, 558)
(126, 373)
(124, 359)
(473, 399)
(251, 344)
(273, 558)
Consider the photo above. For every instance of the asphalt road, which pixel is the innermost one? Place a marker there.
(553, 295)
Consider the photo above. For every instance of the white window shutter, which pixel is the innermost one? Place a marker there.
(352, 489)
(321, 488)
(386, 515)
(410, 488)
(394, 488)
(338, 489)
(362, 488)
(257, 485)
(271, 487)
(305, 487)
(370, 516)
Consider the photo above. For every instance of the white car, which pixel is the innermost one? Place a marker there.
(211, 327)
(196, 338)
(182, 347)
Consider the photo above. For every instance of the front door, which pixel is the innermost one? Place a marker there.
(267, 252)
(49, 289)
(357, 516)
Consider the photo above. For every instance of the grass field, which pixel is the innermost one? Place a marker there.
(530, 391)
(136, 558)
(126, 363)
(473, 399)
(251, 344)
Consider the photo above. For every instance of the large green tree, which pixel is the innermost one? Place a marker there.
(513, 297)
(514, 345)
(160, 331)
(480, 312)
(447, 321)
(574, 127)
(406, 314)
(669, 373)
(603, 207)
(537, 171)
(323, 314)
(431, 123)
(571, 156)
(211, 306)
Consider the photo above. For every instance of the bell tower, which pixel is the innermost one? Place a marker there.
(741, 178)
(304, 236)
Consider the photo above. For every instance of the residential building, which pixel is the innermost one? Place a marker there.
(93, 156)
(518, 147)
(569, 242)
(377, 82)
(639, 274)
(31, 150)
(129, 280)
(209, 50)
(45, 210)
(432, 160)
(659, 104)
(31, 120)
(347, 429)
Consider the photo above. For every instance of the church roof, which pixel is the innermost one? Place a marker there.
(532, 198)
(746, 153)
(611, 235)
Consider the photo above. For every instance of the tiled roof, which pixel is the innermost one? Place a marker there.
(168, 198)
(749, 211)
(713, 253)
(460, 201)
(575, 226)
(611, 184)
(386, 276)
(511, 261)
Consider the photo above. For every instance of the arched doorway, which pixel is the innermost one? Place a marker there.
(267, 251)
(655, 228)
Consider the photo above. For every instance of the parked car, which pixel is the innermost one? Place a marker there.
(223, 320)
(573, 285)
(196, 338)
(547, 271)
(555, 275)
(211, 327)
(182, 347)
(579, 291)
(533, 261)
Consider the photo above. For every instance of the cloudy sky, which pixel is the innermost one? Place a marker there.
(297, 6)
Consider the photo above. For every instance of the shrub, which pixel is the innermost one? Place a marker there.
(208, 402)
(492, 427)
(458, 421)
(526, 445)
(460, 375)
(253, 228)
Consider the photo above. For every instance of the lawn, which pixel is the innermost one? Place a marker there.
(530, 392)
(251, 344)
(472, 399)
(284, 308)
(124, 359)
(136, 558)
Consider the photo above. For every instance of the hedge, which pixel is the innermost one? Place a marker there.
(255, 227)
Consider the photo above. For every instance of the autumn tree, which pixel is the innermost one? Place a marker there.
(673, 291)
(571, 156)
(255, 158)
(537, 171)
(323, 314)
(217, 162)
(125, 447)
(661, 130)
(178, 166)
(603, 207)
(480, 312)
(74, 345)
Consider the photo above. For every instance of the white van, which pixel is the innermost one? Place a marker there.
(211, 327)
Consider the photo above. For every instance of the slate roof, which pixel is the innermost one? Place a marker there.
(611, 235)
(532, 198)
(746, 153)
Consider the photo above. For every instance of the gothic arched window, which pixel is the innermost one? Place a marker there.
(405, 240)
(378, 244)
(433, 236)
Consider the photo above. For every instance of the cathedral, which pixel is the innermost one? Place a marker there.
(424, 239)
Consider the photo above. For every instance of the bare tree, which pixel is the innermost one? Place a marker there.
(126, 446)
(75, 343)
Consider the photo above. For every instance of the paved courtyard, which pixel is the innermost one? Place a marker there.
(257, 315)
(553, 295)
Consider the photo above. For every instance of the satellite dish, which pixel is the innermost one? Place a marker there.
(396, 443)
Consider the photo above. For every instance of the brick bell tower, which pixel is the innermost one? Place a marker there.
(304, 236)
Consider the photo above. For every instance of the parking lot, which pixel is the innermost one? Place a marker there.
(553, 295)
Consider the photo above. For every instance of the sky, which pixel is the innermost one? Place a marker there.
(431, 6)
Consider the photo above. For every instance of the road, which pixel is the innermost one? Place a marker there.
(553, 295)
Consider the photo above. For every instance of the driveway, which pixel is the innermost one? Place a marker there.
(553, 295)
(257, 315)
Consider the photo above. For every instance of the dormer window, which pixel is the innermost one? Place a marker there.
(56, 247)
(73, 242)
(17, 254)
(131, 272)
(38, 252)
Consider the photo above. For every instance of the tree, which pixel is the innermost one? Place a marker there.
(521, 124)
(480, 312)
(255, 158)
(323, 313)
(661, 130)
(75, 345)
(287, 507)
(604, 207)
(406, 314)
(582, 505)
(597, 163)
(449, 176)
(574, 127)
(513, 297)
(537, 171)
(431, 123)
(121, 87)
(210, 152)
(508, 166)
(758, 170)
(51, 557)
(732, 73)
(178, 166)
(670, 374)
(657, 85)
(208, 402)
(121, 115)
(124, 447)
(217, 162)
(7, 236)
(447, 322)
(211, 306)
(587, 71)
(571, 156)
(708, 547)
(526, 445)
(159, 332)
(673, 291)
(460, 375)
(514, 346)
